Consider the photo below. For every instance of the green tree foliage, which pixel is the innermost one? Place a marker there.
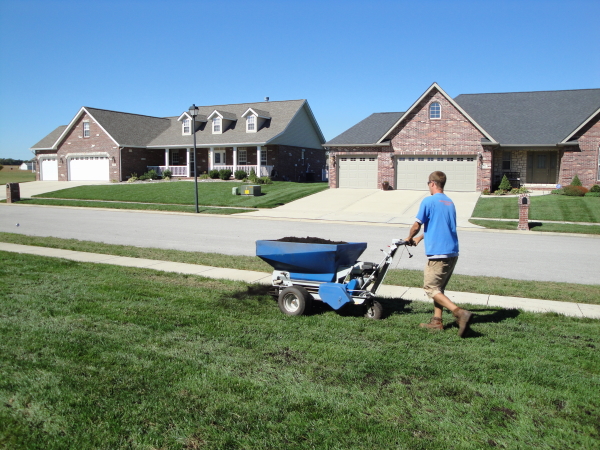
(576, 181)
(505, 184)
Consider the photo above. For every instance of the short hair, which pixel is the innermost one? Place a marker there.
(439, 178)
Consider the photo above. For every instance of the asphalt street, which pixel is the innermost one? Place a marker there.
(515, 255)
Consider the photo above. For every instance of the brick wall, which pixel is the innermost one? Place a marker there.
(582, 161)
(97, 143)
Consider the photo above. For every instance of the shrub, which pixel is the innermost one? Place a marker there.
(486, 191)
(595, 188)
(252, 177)
(505, 184)
(152, 175)
(167, 173)
(224, 174)
(144, 177)
(592, 194)
(575, 191)
(214, 174)
(204, 176)
(500, 192)
(265, 180)
(575, 181)
(1, 167)
(240, 174)
(558, 191)
(133, 177)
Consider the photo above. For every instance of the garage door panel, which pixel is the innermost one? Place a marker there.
(49, 169)
(412, 172)
(357, 172)
(89, 168)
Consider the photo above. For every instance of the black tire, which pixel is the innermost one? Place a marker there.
(295, 301)
(374, 311)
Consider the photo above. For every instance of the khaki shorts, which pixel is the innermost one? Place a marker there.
(437, 274)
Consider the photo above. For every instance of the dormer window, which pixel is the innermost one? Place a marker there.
(217, 125)
(255, 119)
(187, 126)
(86, 129)
(435, 111)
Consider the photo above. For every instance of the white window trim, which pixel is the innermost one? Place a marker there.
(263, 157)
(220, 151)
(187, 123)
(86, 129)
(251, 121)
(242, 161)
(439, 110)
(217, 125)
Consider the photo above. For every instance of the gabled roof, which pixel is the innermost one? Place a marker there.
(223, 115)
(47, 143)
(135, 130)
(366, 132)
(186, 115)
(532, 118)
(257, 112)
(433, 87)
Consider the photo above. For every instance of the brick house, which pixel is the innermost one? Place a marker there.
(538, 139)
(280, 139)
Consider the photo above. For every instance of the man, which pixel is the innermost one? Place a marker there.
(437, 215)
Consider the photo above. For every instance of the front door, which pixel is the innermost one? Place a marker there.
(542, 167)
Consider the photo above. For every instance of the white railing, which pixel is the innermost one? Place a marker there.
(176, 171)
(265, 171)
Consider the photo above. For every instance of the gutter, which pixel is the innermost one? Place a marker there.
(386, 144)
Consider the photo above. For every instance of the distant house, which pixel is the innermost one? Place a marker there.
(538, 139)
(27, 166)
(280, 139)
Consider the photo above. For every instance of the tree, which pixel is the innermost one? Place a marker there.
(505, 184)
(576, 181)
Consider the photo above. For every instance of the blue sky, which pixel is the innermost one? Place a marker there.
(347, 58)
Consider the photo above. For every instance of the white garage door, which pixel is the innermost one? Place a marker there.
(88, 168)
(49, 169)
(357, 172)
(461, 172)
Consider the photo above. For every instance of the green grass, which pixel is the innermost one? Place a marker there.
(559, 208)
(15, 176)
(132, 206)
(565, 292)
(96, 356)
(182, 193)
(539, 226)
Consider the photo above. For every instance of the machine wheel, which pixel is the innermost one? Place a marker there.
(374, 310)
(294, 301)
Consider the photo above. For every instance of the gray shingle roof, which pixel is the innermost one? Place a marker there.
(531, 118)
(48, 141)
(367, 131)
(130, 129)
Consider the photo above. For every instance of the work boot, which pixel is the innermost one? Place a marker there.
(434, 324)
(463, 318)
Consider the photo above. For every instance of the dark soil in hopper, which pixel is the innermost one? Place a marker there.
(310, 240)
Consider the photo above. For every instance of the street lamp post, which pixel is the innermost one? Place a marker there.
(194, 112)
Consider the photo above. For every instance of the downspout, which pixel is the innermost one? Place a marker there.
(120, 164)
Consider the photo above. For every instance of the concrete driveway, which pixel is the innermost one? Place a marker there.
(32, 188)
(368, 205)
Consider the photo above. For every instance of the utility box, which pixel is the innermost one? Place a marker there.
(250, 190)
(13, 192)
(235, 191)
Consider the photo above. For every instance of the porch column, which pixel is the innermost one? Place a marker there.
(211, 152)
(187, 162)
(234, 160)
(167, 158)
(258, 155)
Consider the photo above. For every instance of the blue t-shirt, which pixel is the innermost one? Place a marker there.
(437, 214)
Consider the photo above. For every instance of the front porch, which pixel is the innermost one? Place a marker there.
(525, 167)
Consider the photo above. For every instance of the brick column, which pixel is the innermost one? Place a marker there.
(523, 212)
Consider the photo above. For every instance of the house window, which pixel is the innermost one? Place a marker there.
(251, 123)
(175, 158)
(435, 111)
(217, 125)
(242, 156)
(186, 126)
(506, 157)
(86, 129)
(219, 157)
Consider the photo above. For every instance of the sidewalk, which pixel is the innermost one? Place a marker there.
(411, 294)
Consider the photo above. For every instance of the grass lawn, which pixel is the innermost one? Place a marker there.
(96, 356)
(539, 226)
(132, 206)
(182, 193)
(566, 292)
(15, 175)
(559, 208)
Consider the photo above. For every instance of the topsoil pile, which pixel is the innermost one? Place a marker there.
(310, 240)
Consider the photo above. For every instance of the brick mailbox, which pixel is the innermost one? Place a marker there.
(523, 212)
(13, 192)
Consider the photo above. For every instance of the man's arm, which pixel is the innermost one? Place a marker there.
(414, 230)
